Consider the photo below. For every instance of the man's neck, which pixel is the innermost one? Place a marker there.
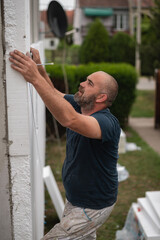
(89, 112)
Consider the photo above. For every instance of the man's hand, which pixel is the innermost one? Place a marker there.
(24, 65)
(36, 56)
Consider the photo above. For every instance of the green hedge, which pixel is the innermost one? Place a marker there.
(125, 75)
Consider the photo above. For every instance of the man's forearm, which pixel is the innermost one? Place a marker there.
(47, 78)
(44, 74)
(57, 105)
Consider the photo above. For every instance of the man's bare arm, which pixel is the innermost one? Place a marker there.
(41, 69)
(61, 109)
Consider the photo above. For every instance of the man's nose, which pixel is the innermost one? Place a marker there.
(82, 84)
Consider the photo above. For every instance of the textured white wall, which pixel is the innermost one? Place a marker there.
(26, 127)
(5, 214)
(17, 36)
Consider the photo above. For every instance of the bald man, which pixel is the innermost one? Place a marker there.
(90, 168)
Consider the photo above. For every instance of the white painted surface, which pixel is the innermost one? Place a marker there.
(53, 190)
(148, 227)
(37, 145)
(17, 37)
(148, 209)
(26, 133)
(21, 197)
(51, 43)
(142, 221)
(154, 199)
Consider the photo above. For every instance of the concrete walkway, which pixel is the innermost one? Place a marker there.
(145, 126)
(146, 84)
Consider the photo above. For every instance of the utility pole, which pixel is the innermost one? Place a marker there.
(131, 27)
(138, 37)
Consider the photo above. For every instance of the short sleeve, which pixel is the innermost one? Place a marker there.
(109, 126)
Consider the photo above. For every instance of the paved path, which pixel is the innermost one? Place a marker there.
(145, 128)
(146, 84)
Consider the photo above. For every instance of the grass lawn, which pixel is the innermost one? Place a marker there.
(144, 170)
(144, 105)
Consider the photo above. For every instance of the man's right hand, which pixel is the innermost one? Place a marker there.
(36, 57)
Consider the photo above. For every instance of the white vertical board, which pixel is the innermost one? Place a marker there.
(53, 190)
(17, 36)
(37, 144)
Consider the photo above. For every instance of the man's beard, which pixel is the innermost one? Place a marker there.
(87, 103)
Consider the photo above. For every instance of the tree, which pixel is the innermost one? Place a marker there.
(122, 48)
(155, 24)
(95, 45)
(150, 48)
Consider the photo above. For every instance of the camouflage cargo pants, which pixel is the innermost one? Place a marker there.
(78, 223)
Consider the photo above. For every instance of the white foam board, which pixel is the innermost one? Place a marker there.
(148, 227)
(154, 198)
(53, 190)
(147, 207)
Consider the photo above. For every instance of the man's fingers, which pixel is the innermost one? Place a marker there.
(19, 56)
(17, 68)
(15, 62)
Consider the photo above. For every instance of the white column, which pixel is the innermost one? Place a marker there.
(131, 25)
(77, 24)
(17, 36)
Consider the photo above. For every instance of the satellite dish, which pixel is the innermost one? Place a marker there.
(57, 19)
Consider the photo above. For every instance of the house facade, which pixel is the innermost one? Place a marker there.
(116, 15)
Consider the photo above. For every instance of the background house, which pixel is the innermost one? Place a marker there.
(116, 15)
(51, 41)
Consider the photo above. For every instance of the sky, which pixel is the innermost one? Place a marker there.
(66, 4)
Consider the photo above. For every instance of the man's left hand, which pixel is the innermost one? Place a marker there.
(24, 65)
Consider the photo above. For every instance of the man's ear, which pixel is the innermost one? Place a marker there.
(102, 97)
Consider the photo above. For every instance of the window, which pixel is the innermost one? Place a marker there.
(52, 43)
(120, 22)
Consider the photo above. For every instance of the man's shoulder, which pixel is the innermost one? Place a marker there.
(105, 113)
(108, 122)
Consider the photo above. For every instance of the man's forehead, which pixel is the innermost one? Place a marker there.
(96, 78)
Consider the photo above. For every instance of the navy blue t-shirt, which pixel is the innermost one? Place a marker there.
(89, 171)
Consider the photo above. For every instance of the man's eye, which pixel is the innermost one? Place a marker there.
(90, 83)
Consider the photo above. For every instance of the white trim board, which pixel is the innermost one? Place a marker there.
(53, 190)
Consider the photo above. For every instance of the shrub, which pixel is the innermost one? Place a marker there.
(122, 48)
(125, 75)
(56, 75)
(147, 60)
(95, 45)
(150, 47)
